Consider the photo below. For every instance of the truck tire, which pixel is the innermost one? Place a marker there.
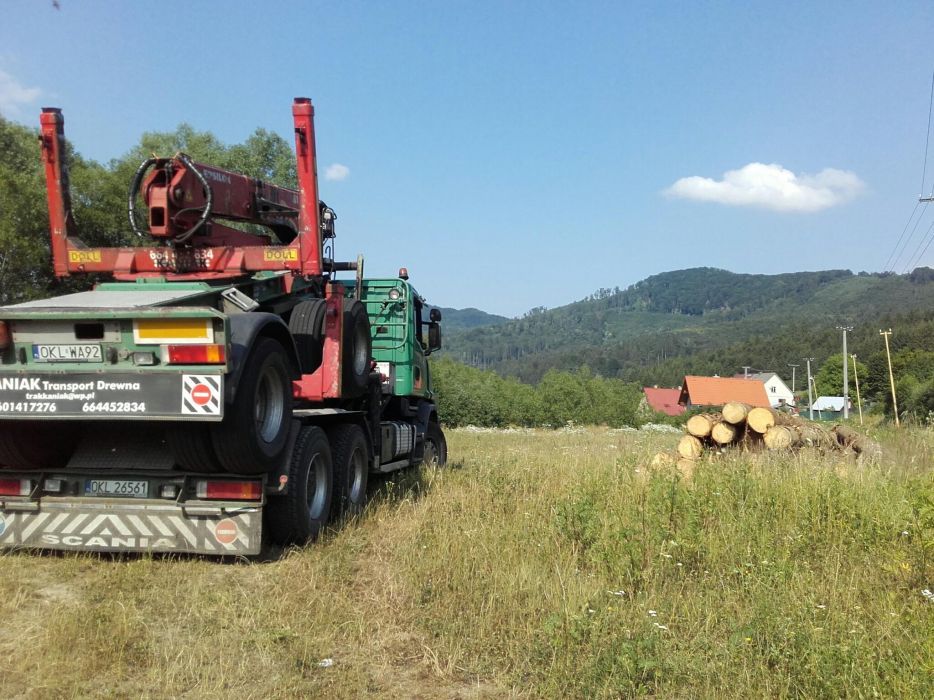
(357, 350)
(191, 447)
(301, 514)
(306, 324)
(32, 446)
(436, 446)
(351, 468)
(254, 435)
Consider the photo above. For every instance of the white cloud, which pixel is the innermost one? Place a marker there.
(336, 171)
(13, 95)
(772, 187)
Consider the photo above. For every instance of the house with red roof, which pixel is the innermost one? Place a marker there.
(717, 391)
(664, 400)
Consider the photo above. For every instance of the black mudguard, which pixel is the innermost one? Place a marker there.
(245, 328)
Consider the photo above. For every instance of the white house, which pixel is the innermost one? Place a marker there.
(778, 392)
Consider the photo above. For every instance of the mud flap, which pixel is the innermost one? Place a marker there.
(133, 527)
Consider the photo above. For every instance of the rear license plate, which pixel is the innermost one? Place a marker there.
(115, 487)
(66, 353)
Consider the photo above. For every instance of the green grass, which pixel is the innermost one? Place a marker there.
(541, 564)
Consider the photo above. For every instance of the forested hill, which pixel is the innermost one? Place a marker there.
(706, 320)
(457, 319)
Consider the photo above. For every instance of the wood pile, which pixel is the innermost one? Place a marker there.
(740, 426)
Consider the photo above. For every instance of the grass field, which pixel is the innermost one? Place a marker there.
(539, 564)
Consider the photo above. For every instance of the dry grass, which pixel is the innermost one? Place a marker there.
(541, 564)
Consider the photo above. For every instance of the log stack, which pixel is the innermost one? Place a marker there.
(744, 427)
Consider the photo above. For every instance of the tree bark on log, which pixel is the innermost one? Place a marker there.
(815, 436)
(848, 438)
(735, 412)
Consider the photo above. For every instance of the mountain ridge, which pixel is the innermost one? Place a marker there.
(705, 315)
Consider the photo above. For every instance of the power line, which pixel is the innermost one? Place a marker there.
(899, 242)
(927, 137)
(908, 240)
(915, 259)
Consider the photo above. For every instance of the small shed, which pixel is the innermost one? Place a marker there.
(829, 407)
(717, 391)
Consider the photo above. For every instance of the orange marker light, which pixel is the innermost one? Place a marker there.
(195, 354)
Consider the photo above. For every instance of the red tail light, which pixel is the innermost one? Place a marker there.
(4, 335)
(15, 487)
(229, 490)
(196, 354)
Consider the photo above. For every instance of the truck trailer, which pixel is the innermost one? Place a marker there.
(223, 386)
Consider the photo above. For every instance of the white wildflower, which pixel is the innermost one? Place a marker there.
(326, 663)
(652, 613)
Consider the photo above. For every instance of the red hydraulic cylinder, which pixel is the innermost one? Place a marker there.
(61, 223)
(309, 228)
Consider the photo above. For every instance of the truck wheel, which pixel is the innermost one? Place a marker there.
(31, 446)
(358, 348)
(254, 434)
(191, 447)
(436, 446)
(351, 468)
(306, 324)
(304, 510)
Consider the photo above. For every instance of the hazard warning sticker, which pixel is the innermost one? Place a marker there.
(201, 395)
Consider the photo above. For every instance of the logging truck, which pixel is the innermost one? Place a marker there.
(223, 386)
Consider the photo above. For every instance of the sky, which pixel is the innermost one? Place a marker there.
(521, 154)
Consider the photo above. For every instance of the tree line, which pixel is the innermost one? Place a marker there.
(470, 396)
(99, 196)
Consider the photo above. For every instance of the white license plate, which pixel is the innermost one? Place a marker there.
(116, 487)
(66, 353)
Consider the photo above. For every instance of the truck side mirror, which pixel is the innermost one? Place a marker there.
(434, 337)
(435, 315)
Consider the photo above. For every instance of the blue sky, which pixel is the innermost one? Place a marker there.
(519, 154)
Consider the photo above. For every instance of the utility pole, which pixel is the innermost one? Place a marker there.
(859, 404)
(888, 356)
(846, 383)
(793, 368)
(810, 400)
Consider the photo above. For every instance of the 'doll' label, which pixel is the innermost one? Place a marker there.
(108, 395)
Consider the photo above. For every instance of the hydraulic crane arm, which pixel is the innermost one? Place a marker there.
(188, 204)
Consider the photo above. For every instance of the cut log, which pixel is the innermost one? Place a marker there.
(664, 459)
(690, 447)
(761, 419)
(781, 437)
(812, 435)
(848, 438)
(735, 412)
(686, 467)
(723, 433)
(700, 425)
